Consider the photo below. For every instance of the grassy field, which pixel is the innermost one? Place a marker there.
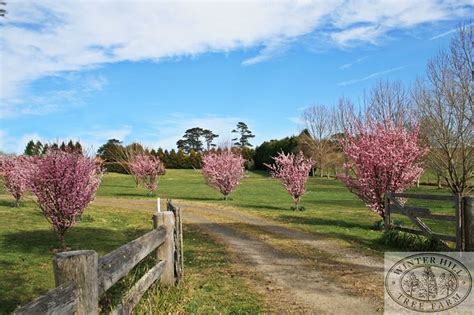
(26, 240)
(26, 252)
(330, 210)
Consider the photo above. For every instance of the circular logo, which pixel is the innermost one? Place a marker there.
(428, 282)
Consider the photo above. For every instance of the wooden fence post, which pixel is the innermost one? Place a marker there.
(458, 212)
(79, 267)
(468, 204)
(166, 250)
(386, 203)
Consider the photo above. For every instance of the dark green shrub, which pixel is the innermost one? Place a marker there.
(411, 242)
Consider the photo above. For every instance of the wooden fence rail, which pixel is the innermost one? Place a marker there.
(462, 218)
(81, 277)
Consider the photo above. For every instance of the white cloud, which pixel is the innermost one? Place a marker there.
(370, 76)
(43, 38)
(360, 34)
(350, 64)
(272, 49)
(82, 87)
(448, 32)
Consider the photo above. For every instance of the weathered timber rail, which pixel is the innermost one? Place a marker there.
(462, 218)
(81, 277)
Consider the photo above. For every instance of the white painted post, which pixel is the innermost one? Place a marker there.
(158, 205)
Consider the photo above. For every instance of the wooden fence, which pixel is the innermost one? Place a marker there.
(82, 277)
(462, 218)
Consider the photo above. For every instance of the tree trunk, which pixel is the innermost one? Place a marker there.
(438, 181)
(62, 240)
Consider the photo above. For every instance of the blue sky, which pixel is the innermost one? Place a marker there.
(147, 71)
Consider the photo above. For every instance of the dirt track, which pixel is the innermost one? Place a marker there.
(296, 271)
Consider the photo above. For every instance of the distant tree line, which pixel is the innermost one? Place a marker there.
(37, 148)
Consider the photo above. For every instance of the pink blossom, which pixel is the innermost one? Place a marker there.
(64, 184)
(147, 169)
(293, 172)
(17, 172)
(383, 157)
(223, 171)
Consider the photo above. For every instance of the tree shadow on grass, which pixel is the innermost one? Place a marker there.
(9, 203)
(334, 234)
(43, 241)
(321, 221)
(267, 207)
(199, 198)
(334, 203)
(39, 244)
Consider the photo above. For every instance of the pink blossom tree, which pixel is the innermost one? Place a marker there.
(17, 172)
(147, 169)
(293, 172)
(64, 184)
(382, 157)
(223, 170)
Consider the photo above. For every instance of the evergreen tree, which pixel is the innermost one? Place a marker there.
(195, 160)
(108, 153)
(78, 147)
(30, 148)
(245, 134)
(191, 140)
(172, 159)
(70, 146)
(38, 148)
(209, 137)
(181, 160)
(45, 149)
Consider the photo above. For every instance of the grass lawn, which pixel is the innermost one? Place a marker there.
(26, 271)
(331, 211)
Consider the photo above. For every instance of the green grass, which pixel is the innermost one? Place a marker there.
(26, 240)
(210, 286)
(330, 210)
(27, 244)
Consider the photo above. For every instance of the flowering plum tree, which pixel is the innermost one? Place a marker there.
(64, 184)
(223, 171)
(17, 172)
(383, 157)
(293, 172)
(147, 169)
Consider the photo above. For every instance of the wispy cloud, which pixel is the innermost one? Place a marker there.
(370, 76)
(271, 50)
(448, 32)
(41, 39)
(359, 34)
(81, 88)
(348, 65)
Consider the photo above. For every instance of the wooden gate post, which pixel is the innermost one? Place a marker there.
(468, 204)
(166, 250)
(79, 267)
(386, 204)
(458, 212)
